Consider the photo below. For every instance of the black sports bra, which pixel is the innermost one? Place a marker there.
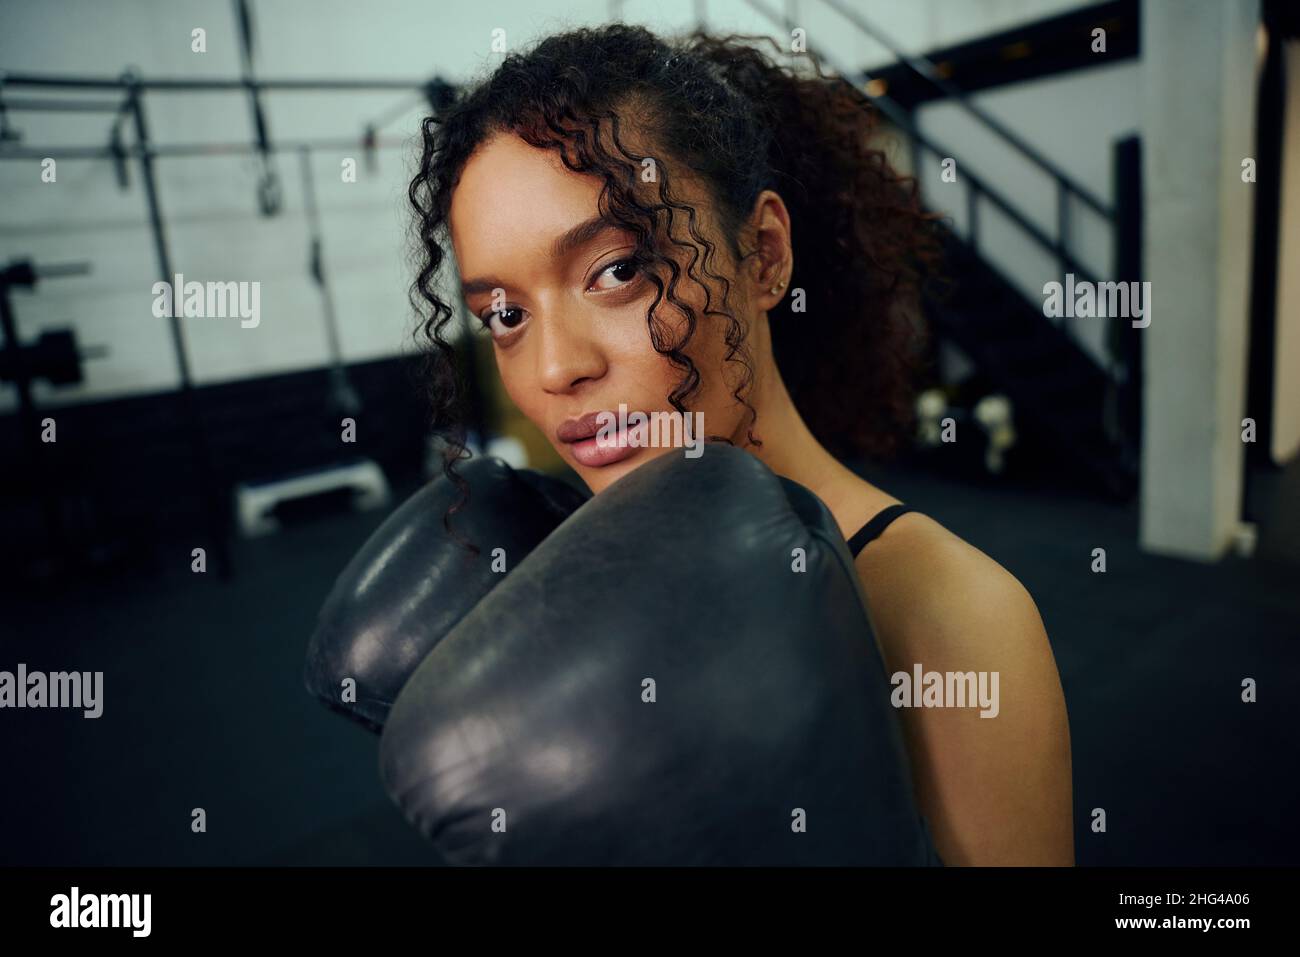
(868, 533)
(877, 524)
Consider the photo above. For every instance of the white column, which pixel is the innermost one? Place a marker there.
(1286, 367)
(1199, 87)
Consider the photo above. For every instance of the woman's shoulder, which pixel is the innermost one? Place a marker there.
(927, 587)
(994, 792)
(924, 552)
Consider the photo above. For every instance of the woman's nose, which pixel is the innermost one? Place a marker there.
(568, 355)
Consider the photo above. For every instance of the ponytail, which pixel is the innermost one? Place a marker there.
(862, 248)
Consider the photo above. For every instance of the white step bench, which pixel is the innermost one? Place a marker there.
(255, 502)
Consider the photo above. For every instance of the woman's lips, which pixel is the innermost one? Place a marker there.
(594, 452)
(580, 435)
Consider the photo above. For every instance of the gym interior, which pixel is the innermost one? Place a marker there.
(180, 491)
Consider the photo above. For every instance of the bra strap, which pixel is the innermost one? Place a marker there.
(877, 524)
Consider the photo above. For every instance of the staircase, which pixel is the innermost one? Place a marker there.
(1063, 399)
(1067, 404)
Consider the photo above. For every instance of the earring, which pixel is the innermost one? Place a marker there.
(778, 287)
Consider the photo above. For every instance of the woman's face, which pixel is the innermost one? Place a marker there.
(567, 314)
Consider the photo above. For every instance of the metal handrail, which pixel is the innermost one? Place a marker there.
(191, 83)
(135, 150)
(927, 70)
(977, 186)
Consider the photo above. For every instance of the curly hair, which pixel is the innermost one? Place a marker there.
(740, 123)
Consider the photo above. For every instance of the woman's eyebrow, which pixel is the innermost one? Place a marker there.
(565, 243)
(581, 234)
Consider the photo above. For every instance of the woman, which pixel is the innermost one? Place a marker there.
(690, 227)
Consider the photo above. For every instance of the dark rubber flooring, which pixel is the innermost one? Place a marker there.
(203, 707)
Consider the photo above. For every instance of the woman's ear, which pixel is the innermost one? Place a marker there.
(773, 253)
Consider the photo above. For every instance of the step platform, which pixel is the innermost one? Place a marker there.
(359, 485)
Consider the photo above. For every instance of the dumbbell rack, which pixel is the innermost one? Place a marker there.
(55, 358)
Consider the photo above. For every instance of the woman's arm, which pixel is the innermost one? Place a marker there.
(995, 790)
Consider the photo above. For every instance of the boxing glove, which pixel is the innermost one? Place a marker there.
(411, 581)
(682, 673)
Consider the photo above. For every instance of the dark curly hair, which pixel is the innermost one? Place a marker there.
(741, 123)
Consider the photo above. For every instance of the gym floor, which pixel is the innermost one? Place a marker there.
(203, 706)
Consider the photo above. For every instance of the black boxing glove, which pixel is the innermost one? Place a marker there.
(657, 685)
(412, 582)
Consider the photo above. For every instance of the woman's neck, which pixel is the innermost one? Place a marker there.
(791, 450)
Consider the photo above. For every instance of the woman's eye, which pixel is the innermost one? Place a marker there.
(502, 322)
(627, 271)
